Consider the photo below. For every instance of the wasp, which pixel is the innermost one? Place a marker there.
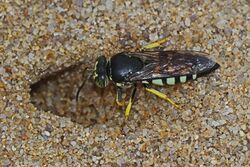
(128, 69)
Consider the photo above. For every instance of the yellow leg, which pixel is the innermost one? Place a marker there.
(156, 43)
(131, 99)
(119, 100)
(163, 96)
(128, 109)
(119, 103)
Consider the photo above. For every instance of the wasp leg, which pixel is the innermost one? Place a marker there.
(161, 95)
(131, 100)
(156, 43)
(119, 100)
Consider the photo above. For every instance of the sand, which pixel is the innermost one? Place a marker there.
(44, 47)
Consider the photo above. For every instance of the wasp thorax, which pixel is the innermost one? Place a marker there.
(100, 72)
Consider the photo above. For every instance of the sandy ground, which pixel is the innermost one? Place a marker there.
(53, 42)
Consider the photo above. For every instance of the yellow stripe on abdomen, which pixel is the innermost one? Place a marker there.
(157, 82)
(183, 79)
(171, 81)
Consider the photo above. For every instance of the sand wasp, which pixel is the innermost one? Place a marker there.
(128, 69)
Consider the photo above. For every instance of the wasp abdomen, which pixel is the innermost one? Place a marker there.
(171, 80)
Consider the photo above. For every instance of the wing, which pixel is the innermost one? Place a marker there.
(164, 64)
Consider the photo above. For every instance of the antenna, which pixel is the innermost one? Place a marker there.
(82, 85)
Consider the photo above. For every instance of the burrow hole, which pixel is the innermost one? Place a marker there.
(56, 93)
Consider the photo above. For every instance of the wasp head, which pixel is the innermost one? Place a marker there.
(100, 72)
